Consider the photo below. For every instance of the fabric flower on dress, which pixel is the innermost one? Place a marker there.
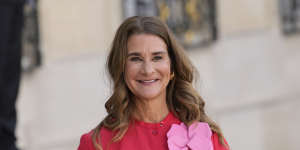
(195, 137)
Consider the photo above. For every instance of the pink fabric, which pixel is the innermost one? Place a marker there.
(141, 135)
(195, 137)
(168, 134)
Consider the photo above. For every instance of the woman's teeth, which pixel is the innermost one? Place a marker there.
(147, 81)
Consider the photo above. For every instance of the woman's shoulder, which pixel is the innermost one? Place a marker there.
(217, 144)
(86, 142)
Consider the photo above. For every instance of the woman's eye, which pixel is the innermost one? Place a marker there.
(155, 58)
(135, 59)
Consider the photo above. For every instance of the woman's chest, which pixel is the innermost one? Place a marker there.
(139, 137)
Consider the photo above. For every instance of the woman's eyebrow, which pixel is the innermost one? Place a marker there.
(138, 54)
(159, 52)
(134, 54)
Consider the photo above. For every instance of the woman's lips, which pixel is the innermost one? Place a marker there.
(147, 82)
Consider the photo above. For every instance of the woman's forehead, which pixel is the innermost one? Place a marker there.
(146, 43)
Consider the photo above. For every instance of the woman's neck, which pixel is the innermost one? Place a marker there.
(152, 111)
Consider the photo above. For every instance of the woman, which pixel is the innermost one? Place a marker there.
(153, 104)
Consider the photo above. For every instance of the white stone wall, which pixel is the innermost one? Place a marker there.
(75, 28)
(249, 77)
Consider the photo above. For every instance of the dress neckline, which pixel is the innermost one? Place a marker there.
(168, 120)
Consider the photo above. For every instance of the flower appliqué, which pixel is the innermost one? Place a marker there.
(195, 137)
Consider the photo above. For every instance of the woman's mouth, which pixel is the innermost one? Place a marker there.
(147, 81)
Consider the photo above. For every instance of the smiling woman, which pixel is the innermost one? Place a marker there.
(148, 68)
(153, 104)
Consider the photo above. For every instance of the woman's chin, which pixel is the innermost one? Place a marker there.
(149, 96)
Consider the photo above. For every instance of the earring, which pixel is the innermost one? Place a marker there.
(172, 75)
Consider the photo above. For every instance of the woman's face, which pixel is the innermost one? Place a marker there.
(147, 71)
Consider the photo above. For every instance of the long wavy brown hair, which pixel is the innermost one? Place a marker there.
(182, 98)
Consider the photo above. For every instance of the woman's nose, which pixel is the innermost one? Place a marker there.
(147, 68)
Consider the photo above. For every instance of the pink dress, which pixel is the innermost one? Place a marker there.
(169, 134)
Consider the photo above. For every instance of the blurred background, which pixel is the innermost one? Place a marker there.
(247, 53)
